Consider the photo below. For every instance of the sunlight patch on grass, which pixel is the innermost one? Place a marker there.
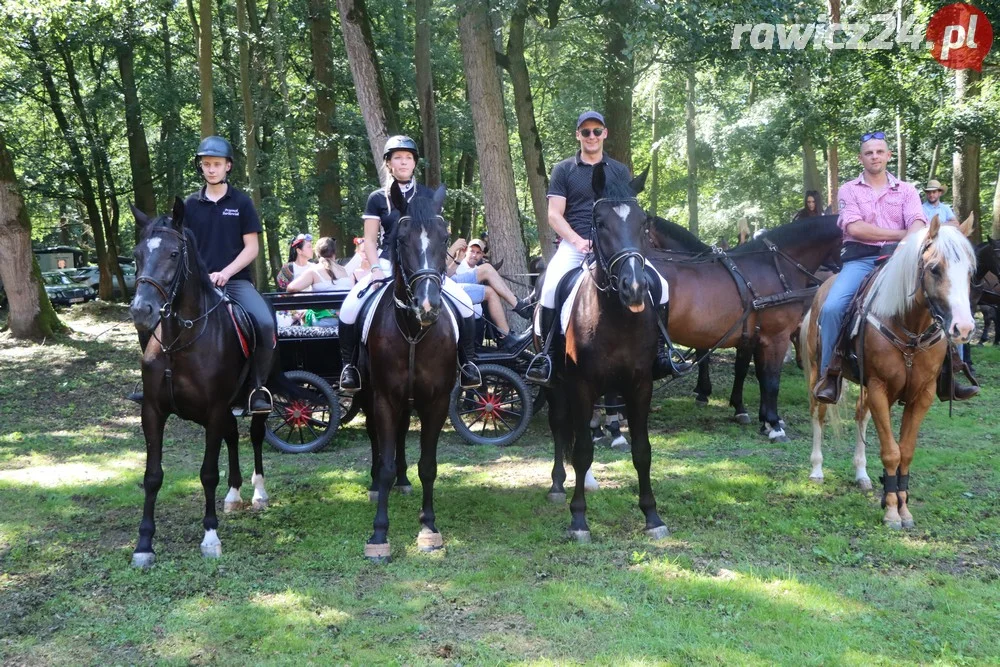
(50, 475)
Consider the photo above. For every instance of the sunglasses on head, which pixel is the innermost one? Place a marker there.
(300, 238)
(872, 135)
(585, 132)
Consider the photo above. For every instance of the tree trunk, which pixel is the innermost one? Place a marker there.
(327, 152)
(811, 179)
(299, 204)
(380, 119)
(469, 209)
(171, 149)
(425, 94)
(654, 161)
(527, 130)
(832, 155)
(496, 171)
(935, 156)
(205, 69)
(138, 149)
(900, 148)
(618, 83)
(995, 230)
(692, 154)
(250, 130)
(31, 315)
(965, 161)
(457, 212)
(231, 129)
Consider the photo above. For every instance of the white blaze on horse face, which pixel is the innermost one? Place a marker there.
(153, 243)
(623, 210)
(424, 245)
(962, 322)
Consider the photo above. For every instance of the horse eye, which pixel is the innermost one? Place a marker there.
(174, 253)
(936, 271)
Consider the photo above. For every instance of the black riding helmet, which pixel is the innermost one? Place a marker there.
(213, 147)
(400, 143)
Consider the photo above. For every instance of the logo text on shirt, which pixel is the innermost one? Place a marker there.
(230, 211)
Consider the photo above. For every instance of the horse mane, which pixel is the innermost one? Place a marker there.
(419, 209)
(617, 189)
(672, 230)
(893, 289)
(818, 229)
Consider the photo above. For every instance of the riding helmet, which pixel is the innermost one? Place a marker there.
(215, 147)
(400, 143)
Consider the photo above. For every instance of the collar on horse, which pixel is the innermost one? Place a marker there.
(608, 265)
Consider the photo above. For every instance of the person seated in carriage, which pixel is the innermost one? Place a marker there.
(225, 225)
(300, 254)
(484, 285)
(877, 210)
(385, 207)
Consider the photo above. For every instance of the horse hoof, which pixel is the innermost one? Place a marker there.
(405, 489)
(232, 506)
(260, 504)
(743, 419)
(815, 480)
(378, 553)
(619, 443)
(211, 550)
(865, 484)
(908, 523)
(428, 541)
(557, 497)
(373, 496)
(657, 533)
(893, 525)
(701, 402)
(579, 536)
(780, 438)
(143, 560)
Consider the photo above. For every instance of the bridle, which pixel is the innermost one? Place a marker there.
(411, 280)
(618, 259)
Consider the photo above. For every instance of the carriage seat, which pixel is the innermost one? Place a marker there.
(307, 332)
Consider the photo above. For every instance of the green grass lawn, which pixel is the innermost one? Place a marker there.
(761, 566)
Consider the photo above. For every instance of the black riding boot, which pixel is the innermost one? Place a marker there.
(471, 377)
(261, 401)
(540, 369)
(350, 378)
(664, 366)
(136, 394)
(948, 387)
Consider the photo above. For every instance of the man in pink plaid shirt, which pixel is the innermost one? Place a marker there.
(876, 209)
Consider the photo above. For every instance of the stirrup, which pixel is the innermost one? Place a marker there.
(540, 370)
(474, 380)
(137, 393)
(260, 411)
(350, 391)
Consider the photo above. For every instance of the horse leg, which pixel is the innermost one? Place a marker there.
(152, 428)
(768, 358)
(218, 427)
(613, 421)
(403, 484)
(260, 498)
(861, 418)
(913, 416)
(562, 431)
(583, 459)
(596, 430)
(637, 407)
(233, 501)
(743, 355)
(817, 411)
(703, 389)
(878, 404)
(389, 419)
(376, 459)
(432, 418)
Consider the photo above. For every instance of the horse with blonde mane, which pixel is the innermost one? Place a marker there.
(915, 306)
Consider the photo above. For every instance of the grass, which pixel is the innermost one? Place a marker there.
(761, 566)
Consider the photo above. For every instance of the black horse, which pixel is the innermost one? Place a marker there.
(410, 361)
(610, 345)
(192, 366)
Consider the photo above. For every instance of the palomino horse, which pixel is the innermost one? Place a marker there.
(750, 298)
(190, 367)
(611, 341)
(914, 307)
(410, 363)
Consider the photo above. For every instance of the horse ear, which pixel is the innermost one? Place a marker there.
(966, 227)
(598, 181)
(141, 218)
(438, 199)
(177, 217)
(397, 198)
(933, 227)
(638, 183)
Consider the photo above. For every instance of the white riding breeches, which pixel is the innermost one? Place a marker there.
(352, 303)
(568, 258)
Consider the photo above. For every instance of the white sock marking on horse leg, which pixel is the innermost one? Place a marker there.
(211, 546)
(260, 496)
(816, 458)
(234, 500)
(589, 483)
(775, 432)
(860, 460)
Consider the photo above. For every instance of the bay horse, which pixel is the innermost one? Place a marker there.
(191, 367)
(916, 305)
(610, 345)
(750, 298)
(410, 361)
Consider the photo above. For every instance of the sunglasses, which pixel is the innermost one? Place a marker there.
(872, 135)
(300, 238)
(585, 132)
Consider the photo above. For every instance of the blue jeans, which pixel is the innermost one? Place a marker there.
(845, 285)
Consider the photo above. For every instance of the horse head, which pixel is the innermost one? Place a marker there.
(619, 236)
(947, 263)
(162, 262)
(419, 256)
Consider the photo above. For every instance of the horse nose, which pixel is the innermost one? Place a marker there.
(961, 332)
(142, 313)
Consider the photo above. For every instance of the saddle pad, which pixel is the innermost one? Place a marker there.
(373, 303)
(567, 307)
(243, 325)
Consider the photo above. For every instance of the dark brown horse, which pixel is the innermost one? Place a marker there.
(410, 361)
(610, 345)
(191, 367)
(751, 298)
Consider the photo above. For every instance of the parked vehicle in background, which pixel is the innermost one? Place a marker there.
(63, 291)
(91, 276)
(49, 258)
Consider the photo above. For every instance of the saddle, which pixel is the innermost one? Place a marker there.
(243, 325)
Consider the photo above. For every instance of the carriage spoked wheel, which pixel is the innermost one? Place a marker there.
(297, 426)
(497, 412)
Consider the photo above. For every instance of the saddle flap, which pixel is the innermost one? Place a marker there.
(243, 325)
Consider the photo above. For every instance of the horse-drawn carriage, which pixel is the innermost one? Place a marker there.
(497, 413)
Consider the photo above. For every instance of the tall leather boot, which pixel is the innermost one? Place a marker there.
(136, 394)
(350, 378)
(947, 384)
(261, 401)
(827, 389)
(471, 377)
(540, 369)
(664, 366)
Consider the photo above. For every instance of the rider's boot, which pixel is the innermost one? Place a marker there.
(664, 366)
(260, 401)
(471, 377)
(524, 307)
(136, 394)
(350, 378)
(827, 389)
(947, 384)
(540, 369)
(511, 342)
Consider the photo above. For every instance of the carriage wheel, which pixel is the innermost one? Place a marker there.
(297, 426)
(497, 413)
(349, 408)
